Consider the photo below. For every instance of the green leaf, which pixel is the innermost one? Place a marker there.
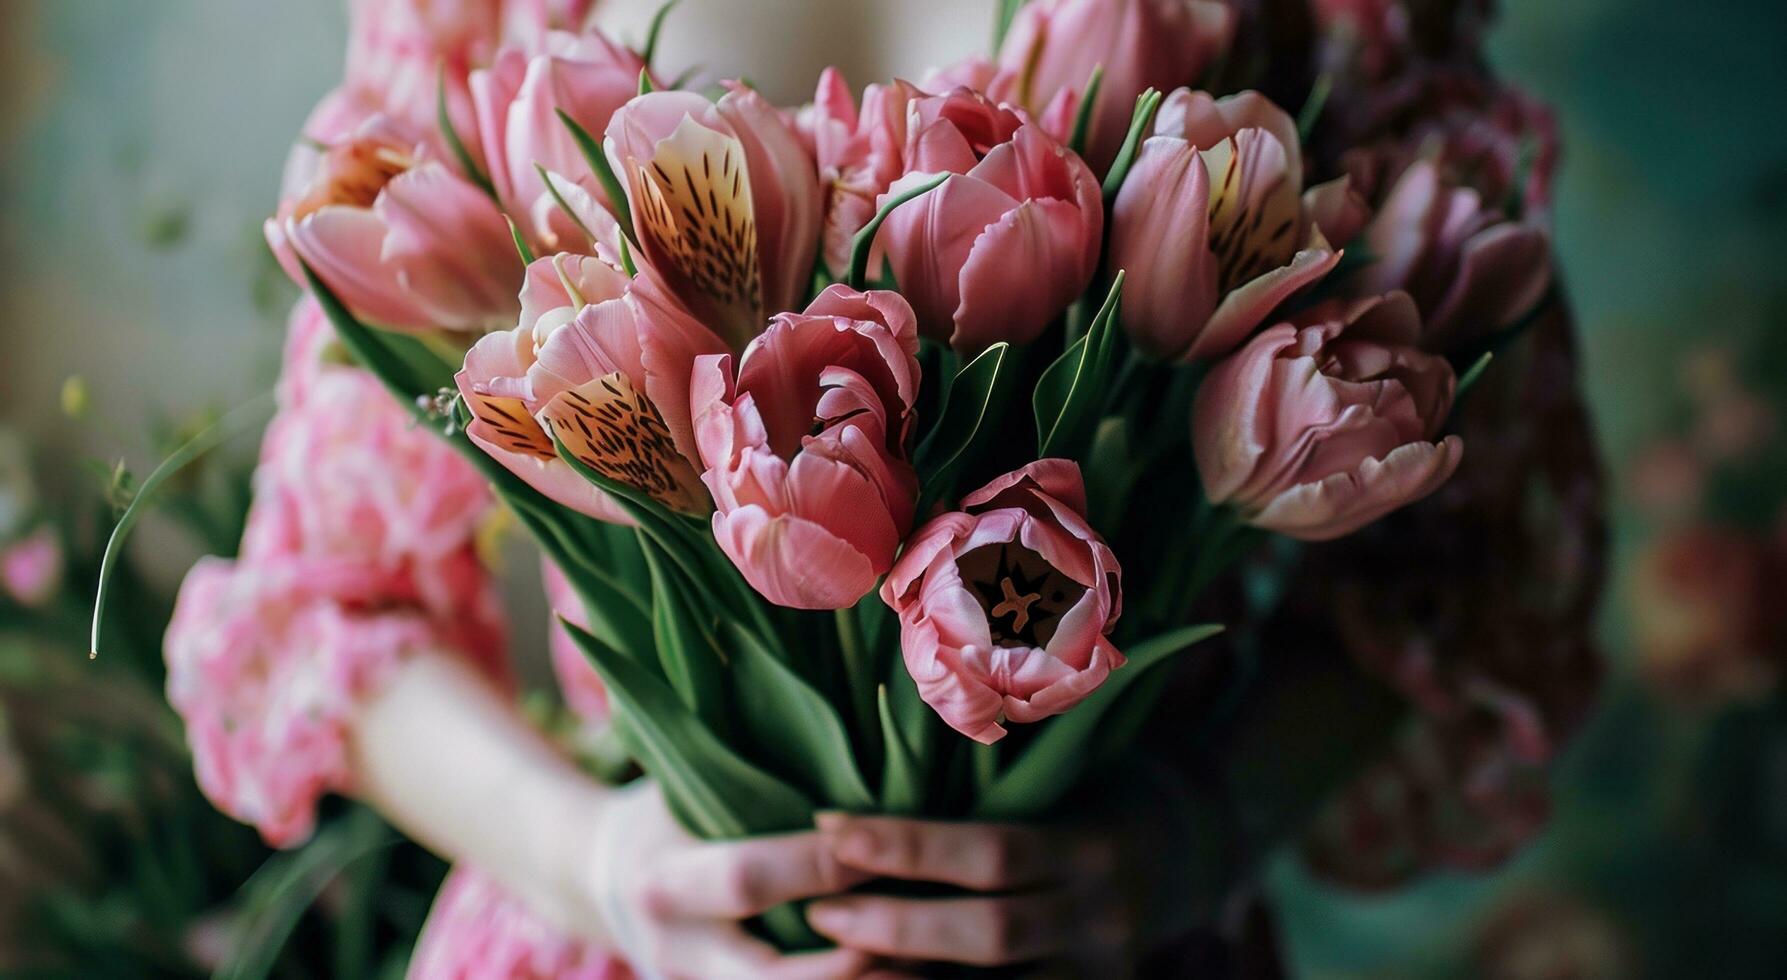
(612, 188)
(651, 35)
(238, 420)
(645, 82)
(521, 249)
(558, 198)
(288, 884)
(902, 785)
(974, 396)
(690, 658)
(1070, 395)
(1056, 759)
(454, 143)
(720, 793)
(795, 725)
(1311, 112)
(1139, 123)
(1082, 119)
(408, 367)
(864, 242)
(1475, 373)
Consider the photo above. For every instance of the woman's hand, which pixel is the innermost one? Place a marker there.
(1085, 899)
(672, 905)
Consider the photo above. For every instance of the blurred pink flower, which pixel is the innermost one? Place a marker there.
(1324, 424)
(600, 362)
(998, 251)
(400, 52)
(1214, 228)
(1053, 46)
(1708, 628)
(587, 76)
(346, 477)
(1666, 480)
(805, 450)
(31, 567)
(582, 687)
(402, 239)
(725, 203)
(269, 657)
(477, 930)
(1006, 606)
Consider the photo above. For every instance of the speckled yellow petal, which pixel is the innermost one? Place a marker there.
(507, 425)
(696, 206)
(610, 427)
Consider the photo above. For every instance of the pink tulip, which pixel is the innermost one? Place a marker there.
(999, 250)
(31, 568)
(1324, 424)
(858, 152)
(1054, 45)
(586, 76)
(1214, 228)
(1470, 269)
(599, 363)
(725, 203)
(1006, 607)
(400, 237)
(805, 450)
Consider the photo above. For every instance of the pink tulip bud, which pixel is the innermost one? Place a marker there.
(1324, 424)
(805, 450)
(725, 202)
(1054, 45)
(1213, 226)
(586, 76)
(998, 251)
(1006, 606)
(859, 153)
(600, 364)
(398, 236)
(1470, 269)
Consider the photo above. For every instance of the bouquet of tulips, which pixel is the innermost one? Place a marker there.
(889, 441)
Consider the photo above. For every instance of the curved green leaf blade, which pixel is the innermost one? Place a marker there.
(1139, 124)
(612, 188)
(902, 783)
(972, 398)
(1052, 763)
(864, 242)
(795, 724)
(720, 792)
(1071, 392)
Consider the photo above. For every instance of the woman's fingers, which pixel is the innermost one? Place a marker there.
(984, 857)
(977, 931)
(705, 950)
(740, 879)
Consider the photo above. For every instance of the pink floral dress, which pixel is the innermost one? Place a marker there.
(359, 553)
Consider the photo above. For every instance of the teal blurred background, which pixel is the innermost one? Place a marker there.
(140, 146)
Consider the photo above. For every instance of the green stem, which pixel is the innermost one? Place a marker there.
(860, 676)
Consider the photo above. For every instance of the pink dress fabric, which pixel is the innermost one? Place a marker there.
(358, 553)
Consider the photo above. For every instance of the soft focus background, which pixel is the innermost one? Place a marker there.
(140, 146)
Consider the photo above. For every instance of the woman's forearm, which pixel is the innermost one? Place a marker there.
(447, 758)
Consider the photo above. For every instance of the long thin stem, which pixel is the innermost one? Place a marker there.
(860, 676)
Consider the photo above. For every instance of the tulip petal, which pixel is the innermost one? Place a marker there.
(1160, 229)
(1246, 308)
(612, 428)
(793, 562)
(1020, 274)
(1345, 502)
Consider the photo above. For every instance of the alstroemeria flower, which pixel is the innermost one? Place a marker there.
(586, 76)
(725, 203)
(1214, 227)
(1324, 424)
(1006, 606)
(401, 238)
(599, 363)
(1053, 46)
(805, 450)
(998, 251)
